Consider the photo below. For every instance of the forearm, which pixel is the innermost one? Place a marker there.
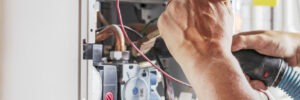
(219, 78)
(200, 40)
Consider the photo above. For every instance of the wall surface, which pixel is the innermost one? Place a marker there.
(286, 16)
(1, 35)
(40, 49)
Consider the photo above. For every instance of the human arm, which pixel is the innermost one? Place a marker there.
(198, 35)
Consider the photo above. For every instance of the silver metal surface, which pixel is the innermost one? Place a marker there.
(88, 22)
(119, 55)
(135, 77)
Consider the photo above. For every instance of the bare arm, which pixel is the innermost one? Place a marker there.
(198, 35)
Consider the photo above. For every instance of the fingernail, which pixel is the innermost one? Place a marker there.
(258, 85)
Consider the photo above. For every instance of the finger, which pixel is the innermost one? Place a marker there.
(256, 84)
(292, 61)
(255, 42)
(236, 43)
(252, 32)
(248, 78)
(239, 40)
(178, 19)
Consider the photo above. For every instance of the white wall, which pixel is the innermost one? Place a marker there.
(40, 50)
(286, 16)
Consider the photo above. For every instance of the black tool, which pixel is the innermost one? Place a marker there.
(272, 71)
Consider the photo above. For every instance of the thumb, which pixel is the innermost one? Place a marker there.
(256, 84)
(245, 42)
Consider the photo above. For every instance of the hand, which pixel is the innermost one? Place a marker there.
(271, 43)
(256, 84)
(202, 29)
(198, 33)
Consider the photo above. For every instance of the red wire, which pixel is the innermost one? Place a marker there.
(169, 90)
(109, 96)
(263, 93)
(132, 44)
(146, 58)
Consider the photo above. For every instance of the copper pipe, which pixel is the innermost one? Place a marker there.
(102, 19)
(117, 32)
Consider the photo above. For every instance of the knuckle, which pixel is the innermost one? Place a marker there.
(161, 19)
(260, 37)
(239, 38)
(174, 8)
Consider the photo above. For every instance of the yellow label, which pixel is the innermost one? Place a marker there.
(265, 3)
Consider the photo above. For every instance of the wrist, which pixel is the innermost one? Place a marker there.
(214, 57)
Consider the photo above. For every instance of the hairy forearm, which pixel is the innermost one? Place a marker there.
(215, 74)
(219, 78)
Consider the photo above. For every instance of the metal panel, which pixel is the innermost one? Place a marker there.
(41, 49)
(88, 26)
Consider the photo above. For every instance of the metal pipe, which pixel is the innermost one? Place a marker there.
(102, 19)
(117, 32)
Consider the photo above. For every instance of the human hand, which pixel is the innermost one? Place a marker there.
(256, 84)
(202, 30)
(198, 34)
(271, 43)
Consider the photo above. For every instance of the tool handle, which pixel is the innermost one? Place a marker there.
(261, 67)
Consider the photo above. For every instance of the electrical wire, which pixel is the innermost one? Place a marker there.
(102, 19)
(159, 69)
(134, 31)
(127, 27)
(164, 77)
(148, 24)
(169, 90)
(263, 93)
(133, 45)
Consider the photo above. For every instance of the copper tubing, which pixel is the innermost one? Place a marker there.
(117, 32)
(102, 19)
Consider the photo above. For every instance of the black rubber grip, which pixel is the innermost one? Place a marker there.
(261, 67)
